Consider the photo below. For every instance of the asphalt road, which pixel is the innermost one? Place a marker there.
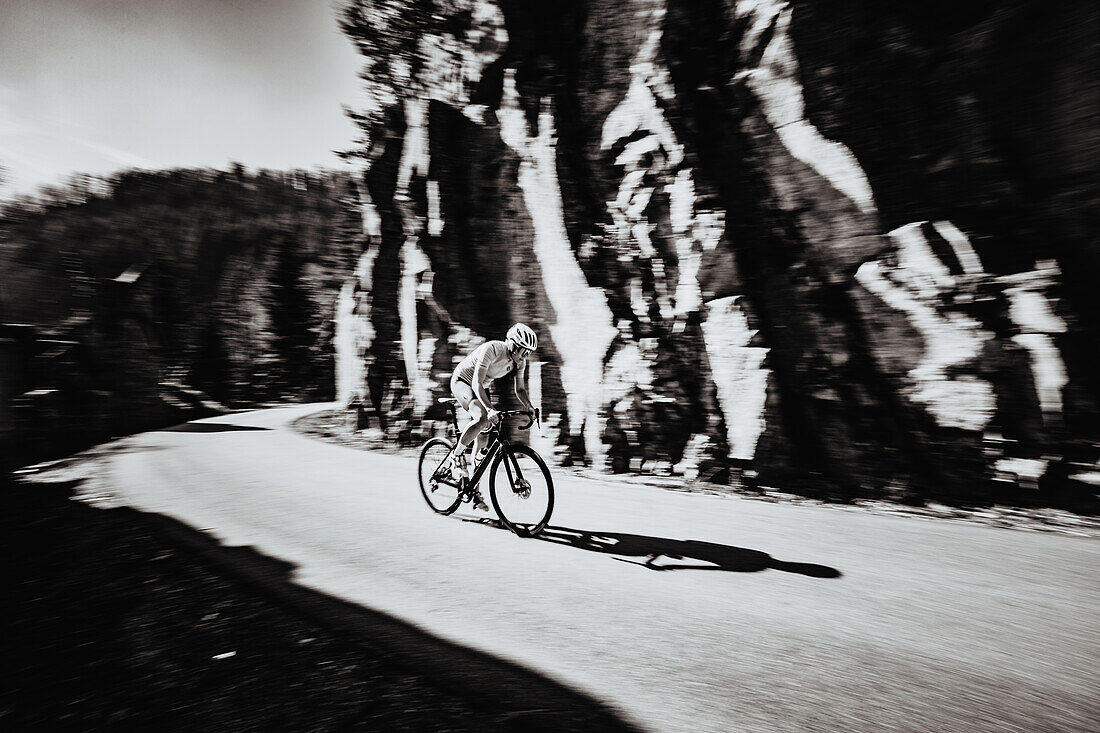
(763, 616)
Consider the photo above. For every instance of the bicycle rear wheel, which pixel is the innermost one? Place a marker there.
(521, 490)
(436, 484)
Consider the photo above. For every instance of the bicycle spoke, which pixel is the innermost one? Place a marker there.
(522, 490)
(436, 484)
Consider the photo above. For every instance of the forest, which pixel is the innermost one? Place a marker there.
(157, 296)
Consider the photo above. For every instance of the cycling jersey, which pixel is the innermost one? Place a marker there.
(492, 360)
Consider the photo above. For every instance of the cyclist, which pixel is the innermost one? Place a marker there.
(492, 360)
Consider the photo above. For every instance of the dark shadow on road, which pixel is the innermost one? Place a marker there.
(118, 447)
(209, 427)
(140, 620)
(661, 553)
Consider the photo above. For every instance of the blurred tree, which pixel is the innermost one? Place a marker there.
(238, 277)
(407, 48)
(292, 316)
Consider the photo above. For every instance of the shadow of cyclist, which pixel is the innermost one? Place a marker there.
(661, 553)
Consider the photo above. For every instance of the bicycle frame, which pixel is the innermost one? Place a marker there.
(497, 442)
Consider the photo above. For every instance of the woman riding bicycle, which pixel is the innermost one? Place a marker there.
(492, 360)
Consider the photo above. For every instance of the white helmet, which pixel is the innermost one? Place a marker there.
(520, 335)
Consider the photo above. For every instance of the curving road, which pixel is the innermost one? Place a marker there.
(759, 616)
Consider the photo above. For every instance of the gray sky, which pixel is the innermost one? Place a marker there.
(98, 85)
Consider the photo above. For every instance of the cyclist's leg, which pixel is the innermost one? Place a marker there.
(472, 431)
(465, 396)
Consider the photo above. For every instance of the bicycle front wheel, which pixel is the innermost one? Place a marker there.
(521, 490)
(436, 484)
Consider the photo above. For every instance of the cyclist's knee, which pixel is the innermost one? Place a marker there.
(462, 393)
(478, 422)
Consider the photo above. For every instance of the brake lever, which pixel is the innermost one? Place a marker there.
(532, 417)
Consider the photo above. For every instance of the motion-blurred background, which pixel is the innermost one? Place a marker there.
(843, 248)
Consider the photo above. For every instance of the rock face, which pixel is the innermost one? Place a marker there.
(834, 246)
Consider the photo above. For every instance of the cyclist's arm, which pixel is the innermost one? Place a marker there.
(480, 368)
(520, 384)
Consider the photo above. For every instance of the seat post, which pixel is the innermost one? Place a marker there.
(453, 404)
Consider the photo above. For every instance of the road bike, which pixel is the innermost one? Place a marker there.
(520, 486)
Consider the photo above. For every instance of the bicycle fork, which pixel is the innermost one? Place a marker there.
(515, 475)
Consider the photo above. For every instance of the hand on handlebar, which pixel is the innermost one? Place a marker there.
(493, 416)
(532, 416)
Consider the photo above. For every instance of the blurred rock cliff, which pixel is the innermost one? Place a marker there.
(842, 246)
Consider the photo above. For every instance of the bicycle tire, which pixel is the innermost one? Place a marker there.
(439, 496)
(514, 510)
